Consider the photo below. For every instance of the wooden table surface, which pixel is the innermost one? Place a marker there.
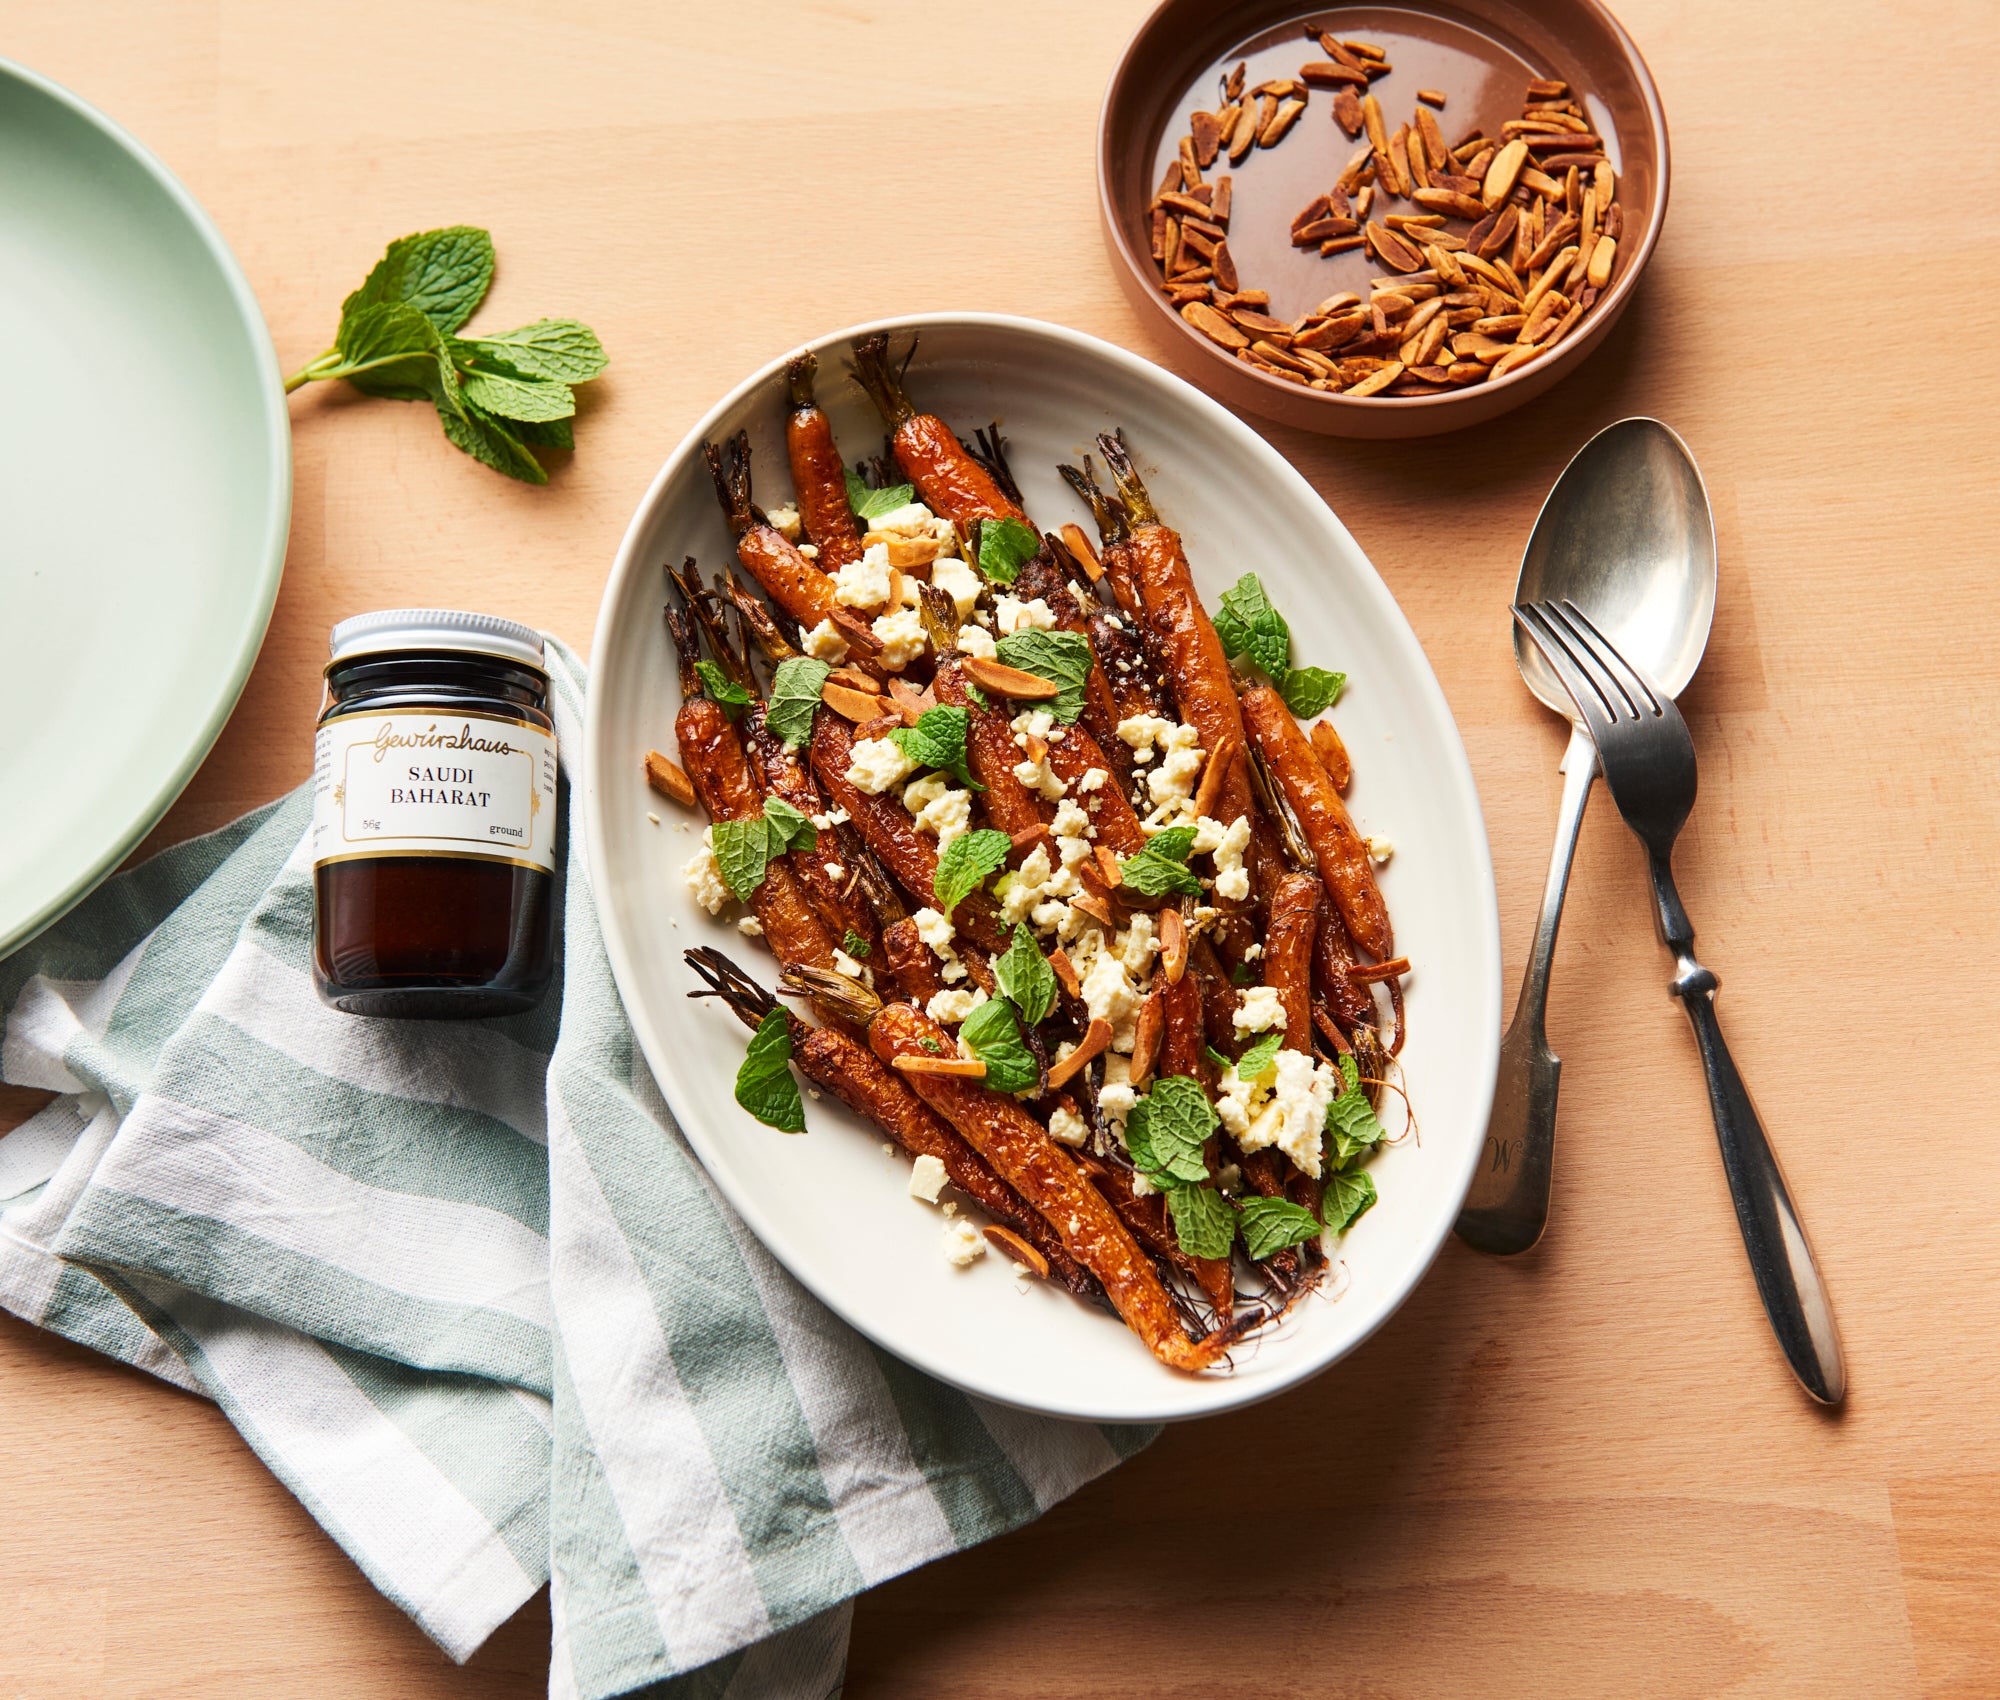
(1582, 1472)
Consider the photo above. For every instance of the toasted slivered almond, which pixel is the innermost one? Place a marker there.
(1079, 547)
(1354, 171)
(1093, 904)
(1544, 315)
(1213, 325)
(1225, 125)
(1190, 166)
(1331, 333)
(1450, 202)
(1553, 274)
(852, 705)
(1243, 135)
(1234, 87)
(1214, 774)
(1065, 971)
(1331, 74)
(1280, 122)
(964, 1068)
(1173, 945)
(1096, 1037)
(1332, 754)
(1513, 359)
(1505, 168)
(1605, 181)
(1418, 224)
(1378, 130)
(854, 680)
(1147, 1029)
(880, 728)
(1433, 97)
(905, 695)
(1347, 112)
(1206, 132)
(1378, 380)
(1007, 1241)
(1224, 263)
(1026, 836)
(1107, 864)
(1339, 245)
(1219, 208)
(1008, 681)
(1602, 258)
(667, 778)
(1547, 88)
(905, 551)
(1393, 250)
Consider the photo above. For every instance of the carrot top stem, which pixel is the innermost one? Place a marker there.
(1131, 491)
(884, 386)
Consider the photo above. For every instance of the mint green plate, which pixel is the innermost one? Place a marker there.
(145, 495)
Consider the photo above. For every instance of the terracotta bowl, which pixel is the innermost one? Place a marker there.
(1480, 53)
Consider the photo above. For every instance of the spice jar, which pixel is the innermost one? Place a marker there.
(434, 817)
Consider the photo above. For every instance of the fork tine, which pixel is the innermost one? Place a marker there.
(1585, 691)
(1616, 692)
(1645, 698)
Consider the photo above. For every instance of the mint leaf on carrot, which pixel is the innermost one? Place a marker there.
(764, 1084)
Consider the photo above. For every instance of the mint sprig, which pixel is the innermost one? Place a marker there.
(764, 1084)
(874, 504)
(1166, 1129)
(963, 867)
(1250, 627)
(497, 397)
(1350, 1118)
(1025, 977)
(1346, 1196)
(1063, 658)
(722, 690)
(1260, 1056)
(1162, 867)
(938, 740)
(993, 1035)
(1204, 1222)
(795, 689)
(1271, 1225)
(744, 849)
(1005, 547)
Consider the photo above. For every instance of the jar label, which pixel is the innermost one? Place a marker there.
(415, 782)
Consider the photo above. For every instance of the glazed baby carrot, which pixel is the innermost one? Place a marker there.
(819, 480)
(949, 479)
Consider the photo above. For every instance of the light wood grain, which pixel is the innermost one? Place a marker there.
(1581, 1473)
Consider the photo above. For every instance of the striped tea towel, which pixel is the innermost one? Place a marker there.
(465, 1289)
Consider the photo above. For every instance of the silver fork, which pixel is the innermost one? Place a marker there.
(1647, 758)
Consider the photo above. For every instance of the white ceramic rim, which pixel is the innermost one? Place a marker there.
(1184, 1397)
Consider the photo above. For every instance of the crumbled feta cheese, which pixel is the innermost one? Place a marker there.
(834, 871)
(1040, 778)
(1093, 780)
(958, 581)
(927, 1178)
(1232, 879)
(902, 638)
(1067, 1127)
(874, 764)
(936, 931)
(1116, 1097)
(977, 640)
(1070, 821)
(1011, 614)
(1137, 946)
(964, 1245)
(1025, 889)
(1107, 990)
(1072, 850)
(1261, 1011)
(912, 519)
(952, 1006)
(864, 583)
(1294, 1118)
(937, 807)
(852, 969)
(1033, 723)
(1172, 782)
(832, 818)
(704, 876)
(750, 927)
(810, 551)
(1140, 731)
(655, 819)
(786, 520)
(824, 642)
(1380, 850)
(1253, 952)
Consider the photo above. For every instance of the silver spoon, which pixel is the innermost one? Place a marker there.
(1626, 535)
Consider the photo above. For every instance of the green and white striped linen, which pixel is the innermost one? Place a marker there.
(466, 1290)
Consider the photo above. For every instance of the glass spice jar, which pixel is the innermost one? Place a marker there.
(434, 817)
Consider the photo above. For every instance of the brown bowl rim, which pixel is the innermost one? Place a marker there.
(1608, 309)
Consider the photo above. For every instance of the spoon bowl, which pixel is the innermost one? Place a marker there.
(1627, 536)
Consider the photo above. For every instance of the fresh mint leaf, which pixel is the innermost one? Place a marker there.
(1270, 1225)
(517, 396)
(1241, 975)
(855, 945)
(873, 504)
(789, 828)
(1025, 977)
(1249, 625)
(1063, 658)
(491, 443)
(977, 697)
(1346, 1196)
(1309, 691)
(993, 1035)
(744, 848)
(722, 690)
(764, 1084)
(964, 865)
(444, 274)
(1005, 547)
(1166, 1129)
(390, 349)
(1350, 1118)
(1162, 867)
(563, 349)
(938, 740)
(1216, 1060)
(1204, 1223)
(795, 689)
(1260, 1056)
(545, 433)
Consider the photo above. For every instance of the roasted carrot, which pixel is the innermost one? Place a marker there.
(1342, 856)
(818, 476)
(1020, 1149)
(1150, 1225)
(951, 482)
(1288, 954)
(828, 881)
(1042, 578)
(909, 961)
(1115, 536)
(993, 755)
(885, 826)
(1347, 1001)
(1193, 655)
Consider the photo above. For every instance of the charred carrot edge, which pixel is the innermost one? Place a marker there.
(1288, 952)
(1343, 857)
(909, 961)
(819, 477)
(1333, 962)
(1042, 578)
(1044, 1174)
